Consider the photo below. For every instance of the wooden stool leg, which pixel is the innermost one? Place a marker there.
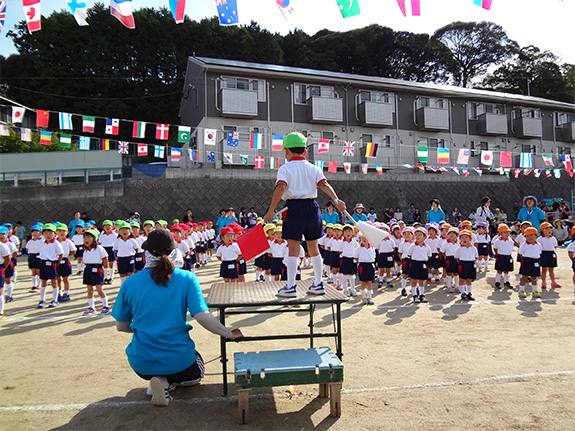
(243, 406)
(335, 399)
(323, 390)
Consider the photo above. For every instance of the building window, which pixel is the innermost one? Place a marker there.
(477, 147)
(431, 102)
(527, 113)
(431, 142)
(302, 92)
(246, 85)
(383, 141)
(477, 108)
(563, 150)
(564, 118)
(375, 96)
(243, 132)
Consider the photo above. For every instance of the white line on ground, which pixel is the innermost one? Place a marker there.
(117, 404)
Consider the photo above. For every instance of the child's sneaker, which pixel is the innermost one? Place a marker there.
(555, 284)
(53, 304)
(317, 289)
(370, 301)
(364, 301)
(34, 289)
(390, 285)
(522, 294)
(415, 298)
(2, 316)
(536, 294)
(380, 285)
(543, 285)
(403, 292)
(287, 292)
(9, 299)
(89, 311)
(160, 391)
(422, 298)
(470, 297)
(65, 297)
(507, 285)
(105, 310)
(41, 304)
(464, 297)
(338, 286)
(497, 285)
(80, 273)
(352, 292)
(59, 297)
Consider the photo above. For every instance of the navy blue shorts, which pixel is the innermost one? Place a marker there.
(347, 266)
(193, 258)
(64, 268)
(548, 259)
(530, 267)
(211, 244)
(111, 254)
(467, 270)
(396, 257)
(334, 259)
(451, 265)
(48, 270)
(79, 251)
(33, 261)
(326, 257)
(277, 265)
(1, 277)
(434, 261)
(14, 262)
(504, 263)
(405, 264)
(442, 263)
(200, 248)
(93, 274)
(126, 265)
(366, 271)
(418, 270)
(302, 219)
(483, 249)
(385, 260)
(140, 261)
(242, 267)
(229, 269)
(9, 270)
(259, 261)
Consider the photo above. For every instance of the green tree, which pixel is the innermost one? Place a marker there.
(13, 144)
(474, 47)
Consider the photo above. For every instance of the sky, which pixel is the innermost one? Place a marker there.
(547, 24)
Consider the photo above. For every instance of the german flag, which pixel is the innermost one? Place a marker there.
(371, 149)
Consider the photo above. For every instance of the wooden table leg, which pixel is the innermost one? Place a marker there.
(323, 390)
(243, 406)
(335, 399)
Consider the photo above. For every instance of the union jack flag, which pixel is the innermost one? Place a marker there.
(349, 148)
(2, 14)
(123, 147)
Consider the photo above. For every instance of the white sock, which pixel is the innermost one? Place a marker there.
(1, 304)
(42, 293)
(111, 277)
(104, 301)
(368, 293)
(388, 280)
(351, 279)
(468, 289)
(456, 280)
(14, 276)
(78, 266)
(461, 289)
(91, 302)
(9, 288)
(421, 290)
(403, 283)
(364, 294)
(55, 294)
(506, 277)
(317, 262)
(522, 288)
(534, 287)
(497, 277)
(35, 280)
(258, 273)
(414, 291)
(291, 265)
(448, 282)
(267, 277)
(337, 279)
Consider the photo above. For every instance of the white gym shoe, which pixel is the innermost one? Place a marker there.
(318, 289)
(287, 292)
(160, 394)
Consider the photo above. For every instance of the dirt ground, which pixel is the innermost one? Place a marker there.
(497, 363)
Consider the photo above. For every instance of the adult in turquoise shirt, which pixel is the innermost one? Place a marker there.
(530, 212)
(435, 214)
(358, 213)
(153, 304)
(329, 215)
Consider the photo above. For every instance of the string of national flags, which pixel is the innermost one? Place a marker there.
(227, 10)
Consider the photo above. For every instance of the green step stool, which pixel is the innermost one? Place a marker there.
(288, 367)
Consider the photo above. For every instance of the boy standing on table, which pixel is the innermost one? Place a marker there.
(297, 183)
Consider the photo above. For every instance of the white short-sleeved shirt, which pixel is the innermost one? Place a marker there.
(520, 239)
(397, 241)
(301, 178)
(277, 249)
(106, 240)
(348, 248)
(67, 247)
(4, 251)
(420, 253)
(466, 254)
(336, 244)
(434, 244)
(448, 248)
(11, 247)
(14, 240)
(140, 239)
(571, 247)
(190, 242)
(184, 248)
(484, 238)
(229, 252)
(547, 243)
(532, 251)
(386, 245)
(50, 250)
(365, 254)
(78, 239)
(33, 246)
(404, 249)
(503, 247)
(126, 248)
(94, 256)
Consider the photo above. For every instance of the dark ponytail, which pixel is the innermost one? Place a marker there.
(162, 272)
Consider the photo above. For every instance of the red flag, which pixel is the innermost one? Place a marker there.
(32, 14)
(323, 146)
(332, 167)
(162, 131)
(517, 172)
(42, 118)
(505, 159)
(142, 149)
(569, 172)
(259, 162)
(253, 243)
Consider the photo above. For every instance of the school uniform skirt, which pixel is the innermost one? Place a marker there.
(366, 271)
(405, 265)
(48, 270)
(335, 261)
(451, 265)
(229, 269)
(434, 261)
(347, 266)
(418, 270)
(64, 268)
(467, 270)
(33, 261)
(140, 261)
(93, 274)
(504, 263)
(111, 254)
(548, 259)
(79, 252)
(530, 267)
(483, 249)
(277, 265)
(126, 264)
(385, 260)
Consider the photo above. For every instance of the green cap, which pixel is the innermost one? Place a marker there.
(294, 140)
(49, 226)
(92, 232)
(118, 222)
(61, 226)
(150, 222)
(123, 225)
(163, 222)
(175, 221)
(107, 223)
(135, 224)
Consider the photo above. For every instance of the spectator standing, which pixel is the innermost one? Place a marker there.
(455, 216)
(416, 216)
(435, 214)
(483, 212)
(73, 223)
(410, 212)
(530, 212)
(330, 215)
(388, 215)
(188, 217)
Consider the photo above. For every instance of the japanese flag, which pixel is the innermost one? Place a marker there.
(347, 167)
(487, 158)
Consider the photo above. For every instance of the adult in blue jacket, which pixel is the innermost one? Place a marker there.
(530, 212)
(435, 214)
(359, 213)
(330, 215)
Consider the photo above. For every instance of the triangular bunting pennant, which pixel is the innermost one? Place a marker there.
(229, 157)
(516, 173)
(378, 169)
(455, 169)
(244, 159)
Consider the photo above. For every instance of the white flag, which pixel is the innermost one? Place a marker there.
(210, 137)
(229, 158)
(17, 114)
(347, 167)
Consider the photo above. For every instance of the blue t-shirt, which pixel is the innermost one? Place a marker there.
(435, 216)
(161, 343)
(358, 217)
(333, 218)
(535, 216)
